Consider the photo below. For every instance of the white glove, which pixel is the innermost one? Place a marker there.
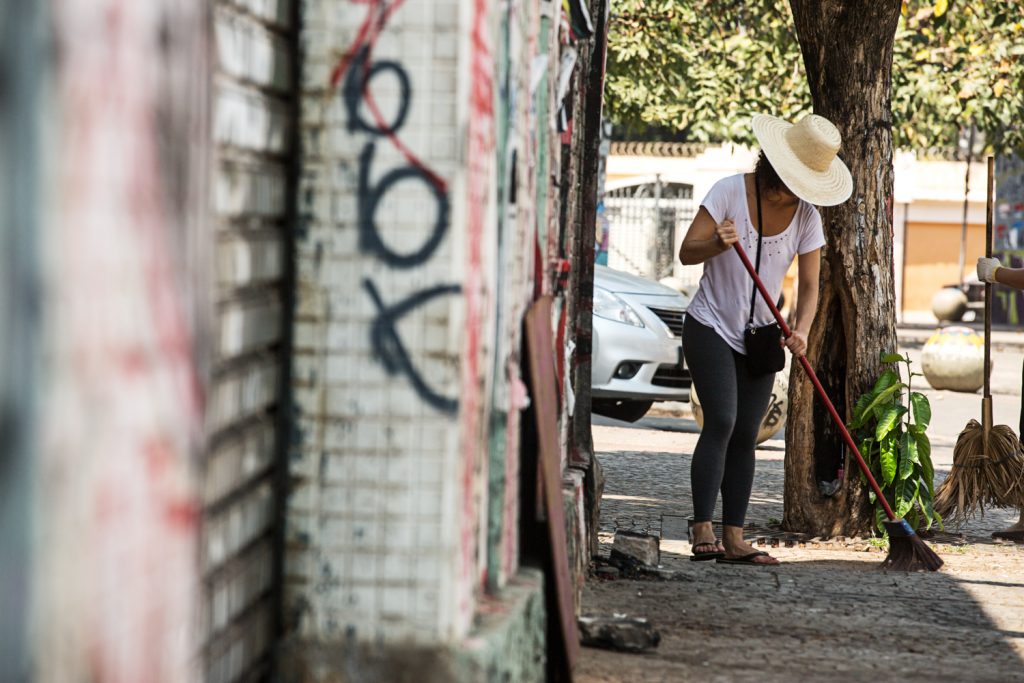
(987, 268)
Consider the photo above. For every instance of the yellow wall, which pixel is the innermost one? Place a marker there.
(932, 252)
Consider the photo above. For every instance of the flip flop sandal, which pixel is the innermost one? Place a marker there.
(705, 556)
(746, 559)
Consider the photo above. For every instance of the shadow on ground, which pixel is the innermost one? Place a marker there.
(812, 620)
(824, 614)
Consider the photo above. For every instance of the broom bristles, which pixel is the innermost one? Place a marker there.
(907, 552)
(977, 478)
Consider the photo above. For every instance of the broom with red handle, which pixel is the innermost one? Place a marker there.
(907, 551)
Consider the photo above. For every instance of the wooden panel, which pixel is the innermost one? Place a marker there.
(544, 400)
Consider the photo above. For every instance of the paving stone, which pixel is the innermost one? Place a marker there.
(643, 548)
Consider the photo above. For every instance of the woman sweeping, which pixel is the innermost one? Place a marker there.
(732, 346)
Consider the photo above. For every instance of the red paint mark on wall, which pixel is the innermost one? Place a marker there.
(124, 405)
(366, 39)
(478, 177)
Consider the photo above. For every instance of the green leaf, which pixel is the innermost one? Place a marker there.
(907, 499)
(924, 446)
(860, 410)
(927, 471)
(888, 462)
(927, 505)
(879, 399)
(908, 456)
(890, 418)
(885, 380)
(922, 409)
(893, 358)
(866, 447)
(911, 449)
(913, 517)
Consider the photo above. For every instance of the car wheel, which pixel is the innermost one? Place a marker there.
(627, 411)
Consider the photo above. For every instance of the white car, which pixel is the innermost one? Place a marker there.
(637, 345)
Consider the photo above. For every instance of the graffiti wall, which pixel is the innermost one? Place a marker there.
(116, 586)
(160, 205)
(390, 352)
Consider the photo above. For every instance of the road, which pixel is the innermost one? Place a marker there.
(951, 410)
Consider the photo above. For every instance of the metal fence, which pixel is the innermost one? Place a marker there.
(644, 221)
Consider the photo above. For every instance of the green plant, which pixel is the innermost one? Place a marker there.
(890, 424)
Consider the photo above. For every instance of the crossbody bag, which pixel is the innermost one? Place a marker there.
(763, 344)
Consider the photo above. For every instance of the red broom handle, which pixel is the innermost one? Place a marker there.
(814, 380)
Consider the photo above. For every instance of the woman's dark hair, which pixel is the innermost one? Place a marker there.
(765, 174)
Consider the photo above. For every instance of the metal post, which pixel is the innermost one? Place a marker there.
(656, 251)
(963, 225)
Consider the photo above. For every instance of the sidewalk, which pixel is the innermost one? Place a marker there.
(825, 614)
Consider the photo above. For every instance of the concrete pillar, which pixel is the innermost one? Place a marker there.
(393, 321)
(415, 266)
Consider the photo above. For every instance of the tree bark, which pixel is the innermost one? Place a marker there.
(847, 49)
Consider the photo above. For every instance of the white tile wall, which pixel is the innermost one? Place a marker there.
(251, 128)
(380, 486)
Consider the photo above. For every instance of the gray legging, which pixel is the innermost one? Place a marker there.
(734, 402)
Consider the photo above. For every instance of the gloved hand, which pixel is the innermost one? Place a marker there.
(987, 268)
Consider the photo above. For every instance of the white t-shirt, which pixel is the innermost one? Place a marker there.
(723, 300)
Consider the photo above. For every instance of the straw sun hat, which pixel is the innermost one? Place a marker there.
(804, 156)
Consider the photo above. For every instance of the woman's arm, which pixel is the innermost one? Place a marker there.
(1011, 277)
(704, 239)
(990, 270)
(809, 265)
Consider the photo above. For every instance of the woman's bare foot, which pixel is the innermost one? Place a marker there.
(736, 547)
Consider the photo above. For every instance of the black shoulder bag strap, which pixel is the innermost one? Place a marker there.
(757, 259)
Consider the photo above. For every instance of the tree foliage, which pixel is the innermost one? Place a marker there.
(699, 68)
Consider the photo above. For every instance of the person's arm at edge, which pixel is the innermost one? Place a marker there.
(992, 271)
(1011, 277)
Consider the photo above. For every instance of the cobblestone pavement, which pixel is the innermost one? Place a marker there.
(643, 485)
(824, 614)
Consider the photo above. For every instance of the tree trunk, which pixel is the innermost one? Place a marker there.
(847, 49)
